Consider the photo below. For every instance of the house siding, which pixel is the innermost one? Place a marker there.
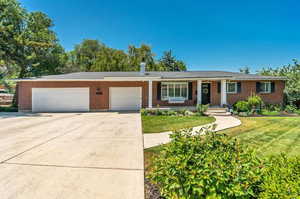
(97, 102)
(101, 102)
(157, 102)
(249, 87)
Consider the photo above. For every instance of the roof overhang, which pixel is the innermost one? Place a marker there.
(152, 79)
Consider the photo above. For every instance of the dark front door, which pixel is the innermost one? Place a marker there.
(205, 93)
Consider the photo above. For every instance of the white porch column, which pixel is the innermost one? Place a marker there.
(199, 91)
(150, 94)
(223, 93)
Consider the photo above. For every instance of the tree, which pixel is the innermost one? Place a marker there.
(169, 63)
(292, 74)
(27, 41)
(245, 70)
(137, 55)
(86, 54)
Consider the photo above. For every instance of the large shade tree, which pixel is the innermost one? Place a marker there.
(27, 41)
(292, 74)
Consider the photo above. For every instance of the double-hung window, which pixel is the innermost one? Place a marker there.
(231, 87)
(174, 90)
(265, 87)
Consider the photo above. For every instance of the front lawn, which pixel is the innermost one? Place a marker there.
(269, 135)
(162, 123)
(270, 113)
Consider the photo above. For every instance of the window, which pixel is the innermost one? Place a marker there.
(173, 90)
(265, 87)
(231, 87)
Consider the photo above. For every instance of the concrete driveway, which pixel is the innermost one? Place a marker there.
(71, 155)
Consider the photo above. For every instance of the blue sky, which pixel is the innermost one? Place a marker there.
(207, 35)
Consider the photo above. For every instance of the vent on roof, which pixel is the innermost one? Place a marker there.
(142, 68)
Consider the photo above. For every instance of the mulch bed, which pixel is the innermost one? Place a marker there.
(152, 191)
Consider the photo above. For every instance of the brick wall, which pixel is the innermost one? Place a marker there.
(249, 87)
(101, 102)
(97, 102)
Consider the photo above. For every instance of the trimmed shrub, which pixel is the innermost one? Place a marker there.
(291, 108)
(9, 109)
(254, 101)
(242, 106)
(205, 165)
(201, 109)
(281, 178)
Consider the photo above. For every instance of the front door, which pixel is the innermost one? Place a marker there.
(205, 93)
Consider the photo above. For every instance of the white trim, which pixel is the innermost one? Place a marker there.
(120, 79)
(129, 78)
(235, 87)
(175, 98)
(199, 91)
(223, 93)
(270, 86)
(150, 94)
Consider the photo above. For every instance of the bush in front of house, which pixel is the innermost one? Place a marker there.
(242, 106)
(216, 166)
(291, 108)
(255, 102)
(281, 178)
(8, 109)
(201, 109)
(205, 166)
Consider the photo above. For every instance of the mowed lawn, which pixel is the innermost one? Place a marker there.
(157, 124)
(269, 135)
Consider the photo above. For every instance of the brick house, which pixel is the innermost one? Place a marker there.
(95, 91)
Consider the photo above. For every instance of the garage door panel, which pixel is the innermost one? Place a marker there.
(125, 98)
(60, 99)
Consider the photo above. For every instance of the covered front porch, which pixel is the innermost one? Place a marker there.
(187, 94)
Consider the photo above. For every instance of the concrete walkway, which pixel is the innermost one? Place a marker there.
(222, 122)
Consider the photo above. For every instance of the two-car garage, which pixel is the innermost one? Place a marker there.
(78, 99)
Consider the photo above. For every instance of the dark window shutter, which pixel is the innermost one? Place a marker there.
(190, 90)
(239, 87)
(257, 87)
(272, 87)
(158, 90)
(219, 87)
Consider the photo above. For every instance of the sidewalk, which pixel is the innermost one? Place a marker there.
(223, 122)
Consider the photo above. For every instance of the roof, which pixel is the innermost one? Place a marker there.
(154, 75)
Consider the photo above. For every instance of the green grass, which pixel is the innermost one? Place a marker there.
(269, 135)
(270, 113)
(157, 124)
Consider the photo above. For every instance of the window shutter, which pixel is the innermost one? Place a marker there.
(272, 87)
(219, 87)
(190, 90)
(239, 87)
(158, 91)
(257, 87)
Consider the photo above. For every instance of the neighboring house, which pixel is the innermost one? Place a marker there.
(94, 91)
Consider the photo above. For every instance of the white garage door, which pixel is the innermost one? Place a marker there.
(125, 98)
(60, 99)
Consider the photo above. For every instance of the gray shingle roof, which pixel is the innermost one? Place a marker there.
(160, 75)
